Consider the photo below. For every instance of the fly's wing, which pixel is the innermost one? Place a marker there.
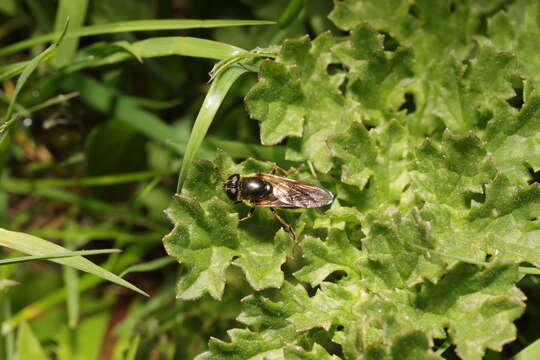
(292, 194)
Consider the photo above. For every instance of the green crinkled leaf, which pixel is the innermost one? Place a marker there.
(398, 253)
(327, 257)
(515, 29)
(473, 211)
(459, 96)
(317, 353)
(414, 345)
(376, 79)
(262, 262)
(296, 96)
(432, 28)
(271, 335)
(358, 153)
(452, 175)
(482, 297)
(204, 241)
(378, 157)
(413, 119)
(514, 140)
(206, 237)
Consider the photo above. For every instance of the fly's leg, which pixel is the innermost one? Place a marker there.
(249, 214)
(277, 169)
(223, 174)
(288, 228)
(285, 173)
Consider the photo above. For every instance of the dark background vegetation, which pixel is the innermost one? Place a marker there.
(78, 139)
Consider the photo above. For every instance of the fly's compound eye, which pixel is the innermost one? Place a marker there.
(232, 194)
(230, 187)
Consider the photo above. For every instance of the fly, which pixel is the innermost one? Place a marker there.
(272, 191)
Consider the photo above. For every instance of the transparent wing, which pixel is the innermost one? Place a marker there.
(291, 194)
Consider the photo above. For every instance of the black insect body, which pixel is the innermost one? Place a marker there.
(274, 191)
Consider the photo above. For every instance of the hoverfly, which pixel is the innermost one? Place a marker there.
(272, 191)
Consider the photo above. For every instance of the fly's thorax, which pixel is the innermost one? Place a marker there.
(253, 188)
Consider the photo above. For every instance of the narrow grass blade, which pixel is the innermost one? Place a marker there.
(87, 281)
(531, 352)
(100, 97)
(66, 254)
(132, 354)
(219, 88)
(72, 198)
(91, 57)
(75, 11)
(97, 233)
(71, 281)
(9, 7)
(129, 26)
(291, 12)
(149, 266)
(9, 338)
(7, 283)
(185, 46)
(11, 70)
(36, 246)
(28, 346)
(28, 70)
(103, 180)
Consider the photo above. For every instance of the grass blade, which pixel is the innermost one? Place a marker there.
(149, 266)
(26, 188)
(219, 88)
(28, 70)
(100, 97)
(66, 254)
(291, 12)
(185, 46)
(129, 26)
(75, 11)
(531, 352)
(86, 282)
(9, 338)
(28, 346)
(149, 48)
(71, 281)
(36, 246)
(11, 70)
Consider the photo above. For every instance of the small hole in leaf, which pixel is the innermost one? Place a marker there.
(453, 8)
(533, 219)
(483, 118)
(406, 187)
(368, 184)
(343, 86)
(488, 258)
(333, 69)
(339, 328)
(413, 11)
(517, 100)
(389, 43)
(409, 105)
(535, 176)
(336, 276)
(311, 291)
(369, 126)
(469, 197)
